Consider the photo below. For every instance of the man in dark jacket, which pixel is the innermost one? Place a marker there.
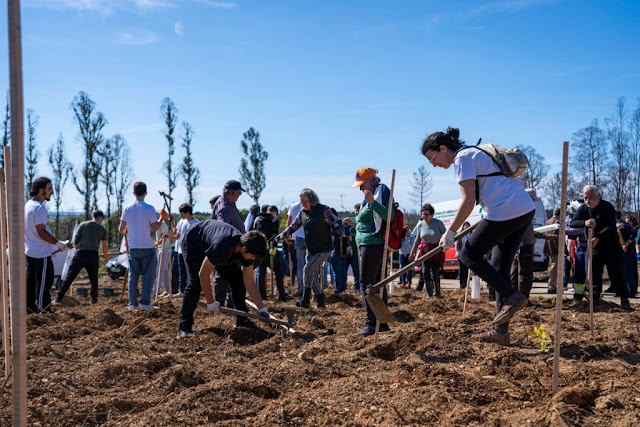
(267, 222)
(601, 216)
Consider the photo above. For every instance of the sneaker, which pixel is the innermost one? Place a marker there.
(511, 306)
(132, 307)
(624, 303)
(178, 295)
(148, 306)
(243, 322)
(55, 302)
(184, 334)
(384, 327)
(366, 331)
(493, 336)
(166, 295)
(163, 295)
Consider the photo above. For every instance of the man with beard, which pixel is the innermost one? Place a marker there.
(38, 242)
(214, 244)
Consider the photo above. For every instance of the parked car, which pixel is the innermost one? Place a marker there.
(115, 270)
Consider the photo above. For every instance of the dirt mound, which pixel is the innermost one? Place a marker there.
(104, 365)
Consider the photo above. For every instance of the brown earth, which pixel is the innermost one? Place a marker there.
(103, 365)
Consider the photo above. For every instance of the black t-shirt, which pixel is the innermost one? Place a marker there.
(218, 241)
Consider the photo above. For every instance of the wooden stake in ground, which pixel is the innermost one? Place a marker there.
(466, 290)
(16, 226)
(386, 247)
(6, 326)
(159, 268)
(559, 286)
(590, 276)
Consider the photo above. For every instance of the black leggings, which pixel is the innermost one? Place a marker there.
(504, 237)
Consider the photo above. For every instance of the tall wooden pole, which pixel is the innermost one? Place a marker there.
(560, 278)
(590, 276)
(16, 220)
(386, 247)
(4, 279)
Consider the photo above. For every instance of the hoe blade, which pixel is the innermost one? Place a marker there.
(380, 309)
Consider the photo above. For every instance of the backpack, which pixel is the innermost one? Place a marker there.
(396, 228)
(511, 161)
(264, 224)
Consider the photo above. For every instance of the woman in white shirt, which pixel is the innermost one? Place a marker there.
(509, 210)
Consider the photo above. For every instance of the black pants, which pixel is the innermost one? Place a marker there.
(522, 270)
(504, 237)
(87, 260)
(613, 259)
(463, 275)
(262, 275)
(175, 274)
(370, 274)
(39, 282)
(232, 274)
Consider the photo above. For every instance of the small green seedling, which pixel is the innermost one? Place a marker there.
(542, 337)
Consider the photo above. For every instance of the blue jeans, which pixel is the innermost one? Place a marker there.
(142, 262)
(182, 272)
(406, 277)
(337, 261)
(301, 260)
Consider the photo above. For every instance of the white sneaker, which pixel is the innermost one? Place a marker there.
(178, 295)
(183, 334)
(148, 306)
(132, 307)
(163, 295)
(166, 295)
(56, 302)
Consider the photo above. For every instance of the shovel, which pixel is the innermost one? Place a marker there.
(290, 312)
(373, 299)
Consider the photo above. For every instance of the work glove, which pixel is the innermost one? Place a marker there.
(105, 255)
(264, 313)
(214, 307)
(63, 246)
(447, 239)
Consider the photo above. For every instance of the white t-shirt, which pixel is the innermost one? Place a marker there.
(34, 246)
(183, 227)
(294, 210)
(139, 216)
(502, 198)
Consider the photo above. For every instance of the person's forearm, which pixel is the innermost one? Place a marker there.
(104, 247)
(205, 282)
(252, 288)
(44, 235)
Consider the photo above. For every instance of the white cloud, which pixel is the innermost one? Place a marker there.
(219, 4)
(137, 38)
(178, 28)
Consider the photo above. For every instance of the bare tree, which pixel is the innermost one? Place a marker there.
(590, 154)
(169, 113)
(90, 124)
(620, 166)
(31, 153)
(634, 141)
(551, 189)
(107, 177)
(421, 186)
(6, 129)
(189, 171)
(252, 173)
(536, 170)
(61, 169)
(123, 171)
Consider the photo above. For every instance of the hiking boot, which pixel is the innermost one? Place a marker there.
(624, 304)
(184, 334)
(305, 300)
(493, 336)
(367, 331)
(511, 306)
(320, 301)
(56, 302)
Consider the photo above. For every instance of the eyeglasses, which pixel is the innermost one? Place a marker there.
(431, 160)
(426, 213)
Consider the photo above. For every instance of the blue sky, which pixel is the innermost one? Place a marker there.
(331, 85)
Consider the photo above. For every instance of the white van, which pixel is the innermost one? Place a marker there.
(445, 211)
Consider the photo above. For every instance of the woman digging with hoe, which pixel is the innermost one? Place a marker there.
(509, 210)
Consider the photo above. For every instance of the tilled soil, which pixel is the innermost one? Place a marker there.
(103, 365)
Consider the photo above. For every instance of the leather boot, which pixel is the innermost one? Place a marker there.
(320, 301)
(305, 301)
